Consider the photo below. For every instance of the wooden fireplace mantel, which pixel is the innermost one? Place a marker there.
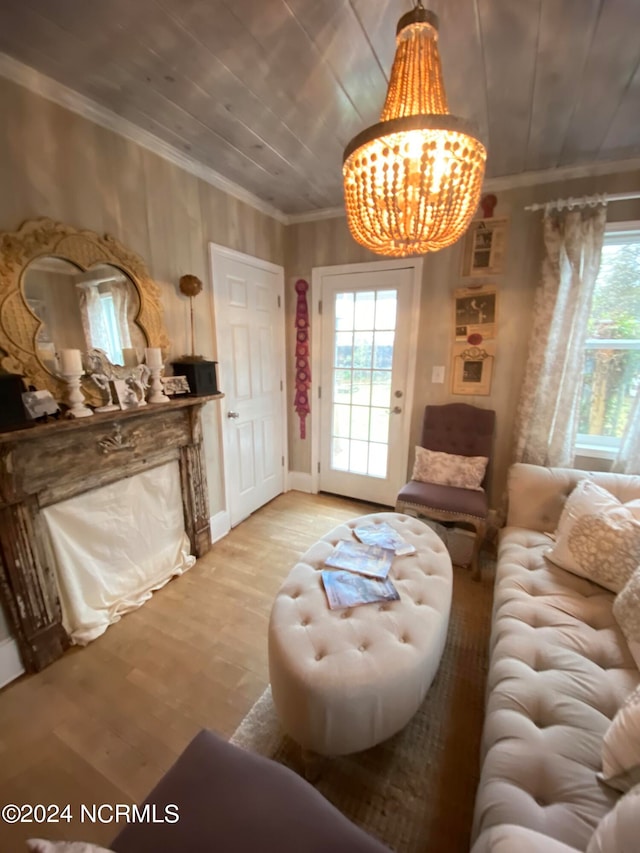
(47, 463)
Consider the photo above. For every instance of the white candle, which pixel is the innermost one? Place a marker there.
(130, 356)
(71, 361)
(153, 356)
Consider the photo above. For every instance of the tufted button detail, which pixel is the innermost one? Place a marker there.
(304, 623)
(345, 614)
(383, 608)
(363, 647)
(295, 594)
(319, 655)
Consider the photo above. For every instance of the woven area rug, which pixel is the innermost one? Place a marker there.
(416, 791)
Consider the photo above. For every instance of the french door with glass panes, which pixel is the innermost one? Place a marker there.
(366, 320)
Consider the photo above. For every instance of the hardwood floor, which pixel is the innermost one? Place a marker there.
(104, 723)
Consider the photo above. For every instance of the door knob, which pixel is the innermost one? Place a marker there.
(397, 394)
(396, 410)
(233, 414)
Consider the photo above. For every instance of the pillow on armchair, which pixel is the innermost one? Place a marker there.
(448, 469)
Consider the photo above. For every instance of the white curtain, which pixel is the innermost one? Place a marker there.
(95, 329)
(628, 459)
(547, 419)
(120, 293)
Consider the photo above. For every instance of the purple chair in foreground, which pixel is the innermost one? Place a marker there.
(232, 801)
(463, 430)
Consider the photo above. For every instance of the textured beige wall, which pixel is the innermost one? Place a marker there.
(328, 242)
(55, 163)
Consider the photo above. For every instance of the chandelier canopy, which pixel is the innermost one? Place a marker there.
(412, 182)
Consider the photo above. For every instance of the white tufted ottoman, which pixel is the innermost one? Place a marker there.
(345, 680)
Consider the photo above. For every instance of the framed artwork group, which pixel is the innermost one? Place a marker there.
(476, 307)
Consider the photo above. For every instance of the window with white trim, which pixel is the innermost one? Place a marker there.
(612, 351)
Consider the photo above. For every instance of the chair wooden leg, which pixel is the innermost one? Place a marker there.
(481, 530)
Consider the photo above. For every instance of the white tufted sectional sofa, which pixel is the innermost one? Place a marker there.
(559, 670)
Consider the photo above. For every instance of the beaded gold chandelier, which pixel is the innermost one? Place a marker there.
(412, 182)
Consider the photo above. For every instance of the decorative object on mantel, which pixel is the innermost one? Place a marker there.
(104, 374)
(40, 405)
(72, 370)
(303, 370)
(191, 286)
(153, 358)
(199, 371)
(173, 386)
(412, 182)
(25, 347)
(12, 411)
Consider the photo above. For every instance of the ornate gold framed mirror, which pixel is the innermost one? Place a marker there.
(62, 288)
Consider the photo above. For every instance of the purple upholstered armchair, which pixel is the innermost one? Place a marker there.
(465, 431)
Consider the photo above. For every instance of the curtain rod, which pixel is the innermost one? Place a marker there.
(582, 201)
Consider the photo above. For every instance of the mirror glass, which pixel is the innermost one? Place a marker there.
(83, 310)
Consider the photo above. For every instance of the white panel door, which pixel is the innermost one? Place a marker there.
(248, 300)
(365, 361)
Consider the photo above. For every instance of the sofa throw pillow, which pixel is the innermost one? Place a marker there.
(447, 469)
(621, 746)
(598, 537)
(626, 610)
(619, 830)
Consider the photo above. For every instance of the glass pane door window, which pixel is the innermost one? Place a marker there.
(365, 328)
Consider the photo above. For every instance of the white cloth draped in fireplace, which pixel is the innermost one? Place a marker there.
(113, 546)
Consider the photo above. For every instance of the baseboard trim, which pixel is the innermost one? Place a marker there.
(10, 664)
(300, 482)
(220, 525)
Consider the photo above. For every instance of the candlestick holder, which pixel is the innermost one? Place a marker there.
(75, 397)
(156, 395)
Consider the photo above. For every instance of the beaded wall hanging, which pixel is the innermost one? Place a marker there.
(303, 370)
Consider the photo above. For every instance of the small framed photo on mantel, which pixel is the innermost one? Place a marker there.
(485, 248)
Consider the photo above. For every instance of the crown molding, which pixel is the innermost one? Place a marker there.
(62, 95)
(561, 173)
(316, 215)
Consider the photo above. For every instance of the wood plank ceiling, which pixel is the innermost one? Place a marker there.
(268, 92)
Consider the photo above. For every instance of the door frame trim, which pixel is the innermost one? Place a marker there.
(217, 251)
(317, 273)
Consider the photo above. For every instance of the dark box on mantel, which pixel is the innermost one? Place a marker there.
(201, 376)
(12, 413)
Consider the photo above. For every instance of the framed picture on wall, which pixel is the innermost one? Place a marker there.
(472, 369)
(475, 312)
(485, 247)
